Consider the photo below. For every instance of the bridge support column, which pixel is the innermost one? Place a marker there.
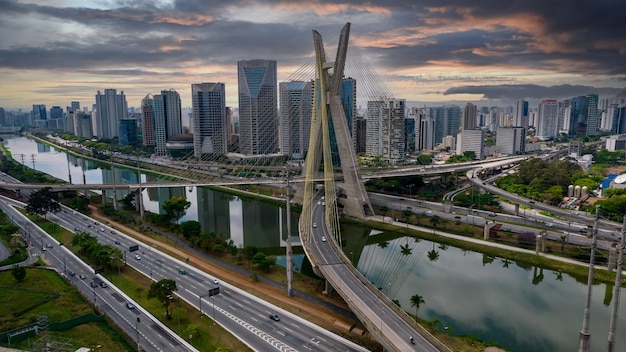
(104, 196)
(612, 257)
(486, 231)
(516, 209)
(328, 288)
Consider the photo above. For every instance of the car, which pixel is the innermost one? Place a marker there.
(113, 232)
(323, 238)
(71, 273)
(94, 284)
(103, 284)
(323, 203)
(182, 271)
(319, 202)
(492, 215)
(130, 305)
(82, 277)
(215, 281)
(429, 211)
(44, 248)
(274, 317)
(314, 224)
(101, 230)
(88, 226)
(95, 223)
(137, 256)
(117, 242)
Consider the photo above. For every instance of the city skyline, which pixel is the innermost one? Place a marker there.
(54, 52)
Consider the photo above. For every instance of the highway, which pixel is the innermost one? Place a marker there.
(139, 324)
(240, 313)
(392, 327)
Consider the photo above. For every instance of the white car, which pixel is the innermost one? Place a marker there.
(215, 281)
(314, 224)
(137, 256)
(323, 238)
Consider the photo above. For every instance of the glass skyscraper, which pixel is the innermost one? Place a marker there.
(258, 107)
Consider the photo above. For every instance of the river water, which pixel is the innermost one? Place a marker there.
(521, 308)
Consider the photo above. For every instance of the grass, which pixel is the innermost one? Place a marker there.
(208, 337)
(42, 285)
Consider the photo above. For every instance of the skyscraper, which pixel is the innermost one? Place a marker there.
(469, 117)
(520, 117)
(547, 119)
(592, 114)
(209, 120)
(385, 129)
(147, 121)
(258, 107)
(295, 118)
(110, 108)
(167, 119)
(447, 121)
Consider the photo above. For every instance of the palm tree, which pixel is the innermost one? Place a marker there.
(433, 255)
(416, 300)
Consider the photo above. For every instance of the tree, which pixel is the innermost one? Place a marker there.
(18, 272)
(129, 201)
(163, 290)
(264, 262)
(41, 202)
(433, 255)
(191, 228)
(470, 154)
(416, 300)
(176, 207)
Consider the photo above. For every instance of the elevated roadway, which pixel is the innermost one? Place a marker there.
(389, 324)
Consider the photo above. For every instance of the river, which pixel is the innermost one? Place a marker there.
(520, 308)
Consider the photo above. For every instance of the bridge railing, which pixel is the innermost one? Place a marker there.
(384, 299)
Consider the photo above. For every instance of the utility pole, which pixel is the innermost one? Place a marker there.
(616, 289)
(585, 336)
(288, 241)
(139, 192)
(114, 190)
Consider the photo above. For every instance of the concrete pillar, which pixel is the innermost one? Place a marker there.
(486, 233)
(537, 243)
(612, 257)
(544, 234)
(104, 196)
(516, 209)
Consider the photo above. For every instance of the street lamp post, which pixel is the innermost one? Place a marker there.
(411, 190)
(585, 335)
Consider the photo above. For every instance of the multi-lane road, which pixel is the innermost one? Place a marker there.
(143, 327)
(242, 314)
(379, 318)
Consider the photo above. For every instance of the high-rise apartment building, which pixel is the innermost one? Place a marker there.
(547, 119)
(409, 135)
(385, 129)
(295, 117)
(592, 115)
(258, 107)
(510, 141)
(471, 140)
(110, 108)
(469, 117)
(209, 120)
(147, 121)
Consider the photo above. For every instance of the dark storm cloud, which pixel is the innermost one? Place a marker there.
(530, 91)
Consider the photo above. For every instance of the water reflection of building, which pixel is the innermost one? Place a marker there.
(43, 148)
(214, 211)
(260, 225)
(166, 193)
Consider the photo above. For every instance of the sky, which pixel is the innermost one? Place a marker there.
(490, 52)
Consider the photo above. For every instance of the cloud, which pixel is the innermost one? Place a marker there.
(410, 43)
(530, 91)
